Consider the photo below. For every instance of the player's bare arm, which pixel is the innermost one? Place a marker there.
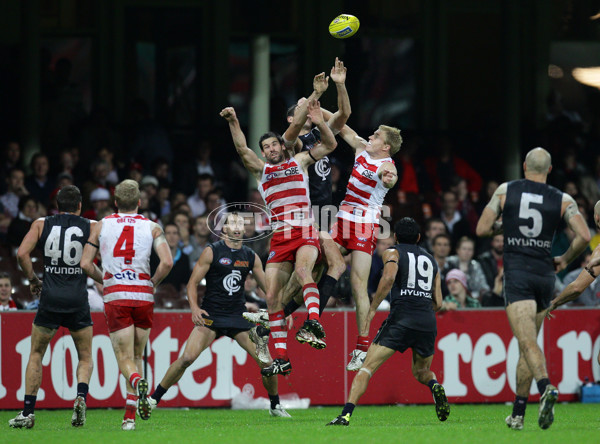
(388, 174)
(198, 273)
(575, 221)
(583, 281)
(488, 223)
(356, 142)
(259, 273)
(438, 299)
(251, 161)
(24, 255)
(162, 250)
(337, 121)
(328, 142)
(89, 253)
(390, 269)
(320, 84)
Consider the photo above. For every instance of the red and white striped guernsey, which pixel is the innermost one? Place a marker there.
(284, 188)
(365, 191)
(125, 246)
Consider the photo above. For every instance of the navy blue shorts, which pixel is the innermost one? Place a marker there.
(523, 286)
(229, 325)
(399, 338)
(73, 321)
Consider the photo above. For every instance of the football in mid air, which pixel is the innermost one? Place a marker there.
(344, 26)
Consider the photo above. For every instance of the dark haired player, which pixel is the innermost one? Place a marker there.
(531, 212)
(225, 264)
(413, 278)
(63, 299)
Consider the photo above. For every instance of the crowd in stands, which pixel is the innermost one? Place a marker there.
(443, 192)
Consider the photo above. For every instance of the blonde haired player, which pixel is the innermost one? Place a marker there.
(125, 240)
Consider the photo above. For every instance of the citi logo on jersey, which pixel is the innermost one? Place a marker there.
(131, 275)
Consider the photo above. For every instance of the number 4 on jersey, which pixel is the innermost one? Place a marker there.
(124, 246)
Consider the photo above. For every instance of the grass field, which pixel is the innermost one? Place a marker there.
(482, 424)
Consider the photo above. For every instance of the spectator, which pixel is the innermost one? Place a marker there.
(197, 202)
(184, 223)
(15, 190)
(441, 250)
(163, 199)
(180, 273)
(463, 260)
(433, 227)
(39, 184)
(201, 165)
(135, 172)
(11, 158)
(149, 184)
(144, 208)
(162, 171)
(200, 239)
(465, 204)
(492, 260)
(590, 297)
(19, 226)
(458, 289)
(6, 301)
(456, 225)
(100, 200)
(108, 155)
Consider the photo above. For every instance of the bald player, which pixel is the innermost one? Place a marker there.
(530, 212)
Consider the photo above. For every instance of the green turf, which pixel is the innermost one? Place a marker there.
(482, 424)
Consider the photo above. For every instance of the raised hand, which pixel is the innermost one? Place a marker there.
(320, 83)
(338, 72)
(315, 113)
(228, 114)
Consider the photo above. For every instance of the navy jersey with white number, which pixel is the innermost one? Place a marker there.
(412, 293)
(530, 217)
(225, 280)
(64, 286)
(319, 174)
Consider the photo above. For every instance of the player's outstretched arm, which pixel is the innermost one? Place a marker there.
(251, 161)
(259, 274)
(388, 174)
(198, 273)
(488, 223)
(578, 286)
(328, 142)
(24, 255)
(337, 121)
(575, 221)
(390, 268)
(356, 142)
(320, 84)
(89, 253)
(163, 252)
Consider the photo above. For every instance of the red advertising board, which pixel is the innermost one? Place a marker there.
(475, 359)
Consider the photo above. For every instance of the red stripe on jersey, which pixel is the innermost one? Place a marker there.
(354, 199)
(363, 179)
(358, 191)
(286, 193)
(129, 289)
(271, 183)
(280, 167)
(363, 161)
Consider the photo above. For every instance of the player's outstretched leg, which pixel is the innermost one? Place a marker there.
(144, 409)
(546, 411)
(79, 410)
(262, 345)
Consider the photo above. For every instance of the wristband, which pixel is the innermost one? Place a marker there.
(589, 270)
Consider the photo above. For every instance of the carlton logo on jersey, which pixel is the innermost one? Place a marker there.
(322, 168)
(231, 282)
(225, 261)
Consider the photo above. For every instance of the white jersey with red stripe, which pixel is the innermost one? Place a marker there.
(125, 246)
(365, 191)
(284, 188)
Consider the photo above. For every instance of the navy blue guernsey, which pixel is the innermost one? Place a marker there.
(412, 293)
(225, 280)
(64, 286)
(319, 174)
(530, 217)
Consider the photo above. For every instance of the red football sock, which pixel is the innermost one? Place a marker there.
(310, 293)
(134, 379)
(130, 406)
(362, 343)
(279, 334)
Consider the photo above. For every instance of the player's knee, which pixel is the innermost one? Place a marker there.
(337, 268)
(186, 360)
(302, 272)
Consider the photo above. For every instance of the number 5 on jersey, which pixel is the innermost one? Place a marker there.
(124, 246)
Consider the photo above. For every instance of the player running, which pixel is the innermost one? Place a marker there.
(125, 241)
(225, 265)
(531, 212)
(413, 277)
(63, 299)
(284, 186)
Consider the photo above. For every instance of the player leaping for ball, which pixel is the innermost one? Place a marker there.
(357, 226)
(284, 187)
